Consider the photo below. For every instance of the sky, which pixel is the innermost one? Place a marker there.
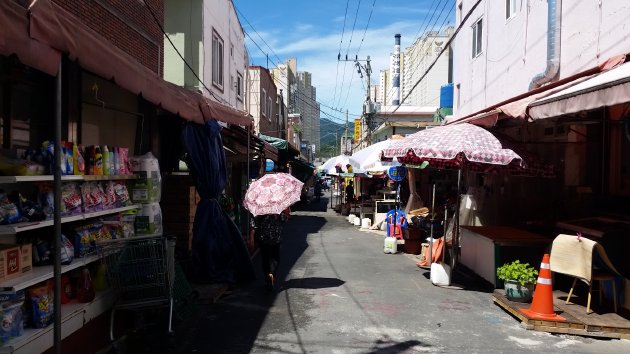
(315, 32)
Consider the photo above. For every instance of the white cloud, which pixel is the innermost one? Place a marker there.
(318, 55)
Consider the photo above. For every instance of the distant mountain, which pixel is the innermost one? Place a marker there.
(328, 128)
(328, 139)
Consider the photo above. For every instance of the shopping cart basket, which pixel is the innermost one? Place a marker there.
(141, 270)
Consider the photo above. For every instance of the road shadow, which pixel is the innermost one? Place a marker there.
(320, 206)
(395, 348)
(463, 278)
(311, 283)
(232, 323)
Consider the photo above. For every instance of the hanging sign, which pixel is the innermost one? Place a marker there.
(269, 165)
(357, 130)
(397, 173)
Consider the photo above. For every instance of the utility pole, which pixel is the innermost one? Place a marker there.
(345, 136)
(368, 110)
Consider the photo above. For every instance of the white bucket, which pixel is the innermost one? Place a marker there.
(390, 245)
(357, 222)
(351, 218)
(366, 223)
(440, 274)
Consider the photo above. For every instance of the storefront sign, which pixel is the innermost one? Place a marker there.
(357, 129)
(397, 173)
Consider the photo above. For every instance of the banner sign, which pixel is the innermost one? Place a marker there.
(357, 130)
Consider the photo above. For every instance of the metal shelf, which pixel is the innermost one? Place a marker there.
(40, 274)
(74, 315)
(50, 178)
(12, 229)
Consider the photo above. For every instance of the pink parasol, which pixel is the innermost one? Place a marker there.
(272, 193)
(447, 142)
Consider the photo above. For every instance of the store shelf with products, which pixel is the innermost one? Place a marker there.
(50, 178)
(74, 316)
(43, 273)
(12, 229)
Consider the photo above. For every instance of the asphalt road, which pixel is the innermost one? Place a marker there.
(339, 293)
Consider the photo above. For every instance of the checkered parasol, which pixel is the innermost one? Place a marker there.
(449, 143)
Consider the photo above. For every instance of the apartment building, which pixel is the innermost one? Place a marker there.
(209, 35)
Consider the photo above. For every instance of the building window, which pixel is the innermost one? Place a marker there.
(239, 85)
(263, 103)
(217, 60)
(477, 32)
(269, 108)
(510, 8)
(231, 50)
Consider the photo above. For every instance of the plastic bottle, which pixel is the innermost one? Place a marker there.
(114, 155)
(98, 161)
(106, 158)
(85, 289)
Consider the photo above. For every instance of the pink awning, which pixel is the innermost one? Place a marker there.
(609, 88)
(14, 39)
(60, 29)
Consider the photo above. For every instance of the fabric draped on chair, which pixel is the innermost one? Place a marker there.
(219, 253)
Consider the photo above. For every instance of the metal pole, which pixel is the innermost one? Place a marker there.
(455, 242)
(57, 218)
(430, 260)
(248, 178)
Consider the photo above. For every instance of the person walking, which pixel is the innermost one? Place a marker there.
(350, 192)
(318, 190)
(268, 235)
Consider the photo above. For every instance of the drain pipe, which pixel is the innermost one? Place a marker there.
(554, 16)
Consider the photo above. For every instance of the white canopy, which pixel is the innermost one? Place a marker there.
(369, 158)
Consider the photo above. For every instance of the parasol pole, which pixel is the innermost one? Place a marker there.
(248, 179)
(431, 233)
(444, 233)
(455, 243)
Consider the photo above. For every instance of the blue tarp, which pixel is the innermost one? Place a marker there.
(219, 253)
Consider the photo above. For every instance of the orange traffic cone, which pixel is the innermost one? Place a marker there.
(542, 306)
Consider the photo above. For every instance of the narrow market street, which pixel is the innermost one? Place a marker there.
(338, 293)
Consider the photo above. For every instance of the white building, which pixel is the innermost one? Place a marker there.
(502, 50)
(418, 57)
(210, 37)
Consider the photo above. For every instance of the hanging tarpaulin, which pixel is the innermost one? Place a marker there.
(219, 253)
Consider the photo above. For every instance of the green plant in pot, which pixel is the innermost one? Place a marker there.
(518, 279)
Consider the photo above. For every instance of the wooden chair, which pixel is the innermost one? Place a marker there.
(573, 256)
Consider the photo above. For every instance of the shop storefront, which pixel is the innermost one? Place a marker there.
(97, 108)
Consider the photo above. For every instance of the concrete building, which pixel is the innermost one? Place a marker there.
(262, 100)
(306, 104)
(418, 57)
(404, 121)
(208, 34)
(383, 87)
(502, 50)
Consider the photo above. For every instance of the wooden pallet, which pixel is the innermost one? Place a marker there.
(605, 325)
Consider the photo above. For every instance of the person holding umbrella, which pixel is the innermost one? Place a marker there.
(268, 199)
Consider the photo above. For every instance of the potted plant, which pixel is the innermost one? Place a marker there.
(518, 280)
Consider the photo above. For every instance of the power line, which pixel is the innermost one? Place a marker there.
(221, 99)
(366, 27)
(259, 36)
(446, 46)
(343, 30)
(297, 91)
(343, 77)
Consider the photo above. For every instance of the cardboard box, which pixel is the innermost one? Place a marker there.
(15, 260)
